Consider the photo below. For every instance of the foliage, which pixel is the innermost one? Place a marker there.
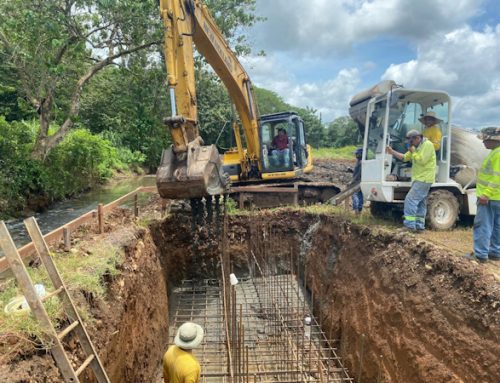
(56, 47)
(344, 153)
(341, 132)
(214, 109)
(80, 162)
(313, 127)
(82, 153)
(269, 102)
(232, 17)
(127, 106)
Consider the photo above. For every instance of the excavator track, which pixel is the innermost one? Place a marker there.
(290, 193)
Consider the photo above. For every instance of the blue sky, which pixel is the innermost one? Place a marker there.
(319, 53)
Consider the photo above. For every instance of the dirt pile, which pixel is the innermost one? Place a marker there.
(338, 171)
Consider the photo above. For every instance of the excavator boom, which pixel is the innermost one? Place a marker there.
(188, 169)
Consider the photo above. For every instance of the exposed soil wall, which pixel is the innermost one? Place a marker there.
(130, 330)
(403, 310)
(426, 316)
(136, 319)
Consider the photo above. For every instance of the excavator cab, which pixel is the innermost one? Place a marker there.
(283, 144)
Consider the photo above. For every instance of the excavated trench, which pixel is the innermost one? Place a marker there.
(397, 309)
(392, 308)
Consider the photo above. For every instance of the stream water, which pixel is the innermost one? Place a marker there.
(65, 211)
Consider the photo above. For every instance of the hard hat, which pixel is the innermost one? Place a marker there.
(490, 133)
(413, 133)
(358, 151)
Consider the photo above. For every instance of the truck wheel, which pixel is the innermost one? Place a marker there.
(442, 209)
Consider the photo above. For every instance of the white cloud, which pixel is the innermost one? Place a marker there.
(323, 26)
(302, 37)
(466, 64)
(330, 97)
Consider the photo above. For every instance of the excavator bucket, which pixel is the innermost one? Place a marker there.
(196, 173)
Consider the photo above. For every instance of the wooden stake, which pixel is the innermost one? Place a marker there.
(100, 217)
(67, 238)
(136, 205)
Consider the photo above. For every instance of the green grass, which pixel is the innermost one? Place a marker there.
(80, 272)
(344, 153)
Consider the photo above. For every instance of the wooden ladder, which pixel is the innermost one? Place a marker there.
(76, 325)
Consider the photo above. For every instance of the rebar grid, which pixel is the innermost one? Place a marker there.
(262, 329)
(201, 302)
(270, 340)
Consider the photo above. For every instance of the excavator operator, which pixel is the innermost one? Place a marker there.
(280, 151)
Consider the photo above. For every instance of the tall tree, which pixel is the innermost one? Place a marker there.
(57, 46)
(342, 131)
(314, 129)
(269, 102)
(232, 17)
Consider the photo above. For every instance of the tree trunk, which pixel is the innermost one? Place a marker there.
(45, 143)
(40, 148)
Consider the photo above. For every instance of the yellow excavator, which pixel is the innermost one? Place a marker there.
(190, 169)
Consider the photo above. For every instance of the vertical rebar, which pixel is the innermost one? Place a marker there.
(361, 355)
(380, 367)
(246, 365)
(311, 334)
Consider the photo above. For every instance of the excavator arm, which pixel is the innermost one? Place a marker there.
(188, 169)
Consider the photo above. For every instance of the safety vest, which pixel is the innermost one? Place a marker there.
(488, 179)
(423, 162)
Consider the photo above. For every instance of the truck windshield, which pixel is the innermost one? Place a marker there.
(376, 130)
(405, 116)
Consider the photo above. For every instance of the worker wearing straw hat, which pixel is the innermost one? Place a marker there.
(432, 131)
(179, 363)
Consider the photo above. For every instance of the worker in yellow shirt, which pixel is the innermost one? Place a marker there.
(422, 155)
(432, 131)
(179, 363)
(487, 220)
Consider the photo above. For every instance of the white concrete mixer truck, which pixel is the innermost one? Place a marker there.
(384, 114)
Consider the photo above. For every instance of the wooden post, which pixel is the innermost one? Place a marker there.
(100, 217)
(136, 205)
(163, 207)
(67, 238)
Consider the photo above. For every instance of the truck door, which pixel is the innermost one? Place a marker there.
(374, 146)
